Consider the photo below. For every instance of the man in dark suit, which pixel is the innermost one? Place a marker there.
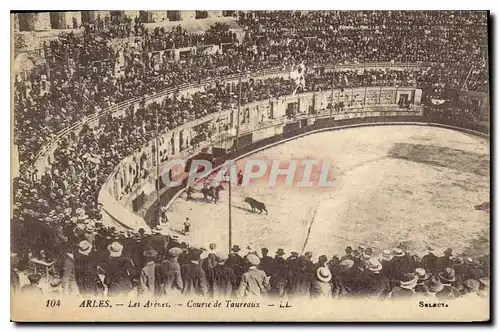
(158, 242)
(193, 276)
(235, 262)
(223, 278)
(430, 262)
(278, 258)
(279, 277)
(377, 285)
(400, 264)
(299, 278)
(86, 270)
(266, 262)
(119, 271)
(449, 292)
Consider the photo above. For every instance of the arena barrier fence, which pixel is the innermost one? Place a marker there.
(321, 125)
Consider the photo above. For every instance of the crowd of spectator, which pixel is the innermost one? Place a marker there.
(82, 75)
(112, 263)
(81, 167)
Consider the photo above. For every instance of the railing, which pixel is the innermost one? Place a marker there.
(388, 108)
(403, 118)
(123, 105)
(247, 128)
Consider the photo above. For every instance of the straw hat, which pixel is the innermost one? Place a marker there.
(374, 265)
(254, 260)
(398, 252)
(84, 247)
(408, 281)
(422, 274)
(386, 255)
(174, 252)
(448, 275)
(115, 249)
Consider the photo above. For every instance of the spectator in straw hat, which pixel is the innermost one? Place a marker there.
(223, 277)
(86, 270)
(377, 285)
(400, 264)
(119, 271)
(171, 272)
(254, 283)
(385, 260)
(406, 288)
(449, 291)
(321, 286)
(193, 276)
(279, 280)
(432, 286)
(150, 277)
(423, 277)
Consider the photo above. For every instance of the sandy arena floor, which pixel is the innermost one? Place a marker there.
(391, 184)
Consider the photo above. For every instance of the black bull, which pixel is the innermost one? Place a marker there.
(256, 205)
